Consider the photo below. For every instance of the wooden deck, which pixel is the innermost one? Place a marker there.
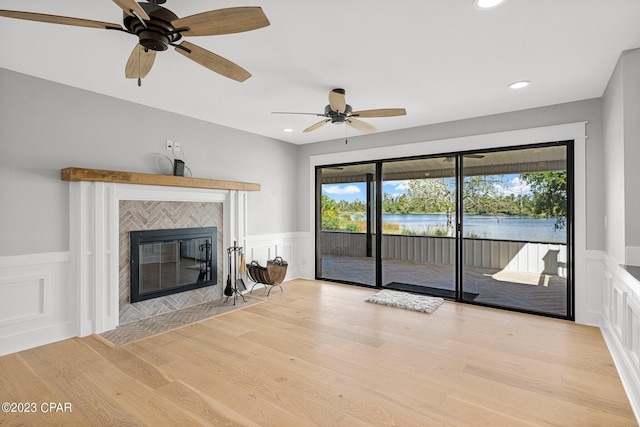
(317, 355)
(527, 291)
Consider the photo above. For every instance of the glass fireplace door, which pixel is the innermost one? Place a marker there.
(170, 261)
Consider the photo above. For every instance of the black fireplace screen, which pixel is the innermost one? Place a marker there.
(165, 262)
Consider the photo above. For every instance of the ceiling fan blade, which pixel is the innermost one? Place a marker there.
(139, 63)
(55, 19)
(382, 112)
(307, 114)
(213, 62)
(360, 125)
(337, 100)
(316, 126)
(130, 6)
(222, 21)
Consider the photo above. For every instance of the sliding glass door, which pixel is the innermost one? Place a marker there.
(486, 227)
(345, 223)
(515, 240)
(418, 225)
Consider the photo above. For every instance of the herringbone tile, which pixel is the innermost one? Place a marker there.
(155, 215)
(173, 319)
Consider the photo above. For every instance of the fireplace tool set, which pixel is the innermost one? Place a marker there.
(231, 288)
(270, 276)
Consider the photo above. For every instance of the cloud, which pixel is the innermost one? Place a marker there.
(515, 186)
(398, 185)
(337, 189)
(404, 185)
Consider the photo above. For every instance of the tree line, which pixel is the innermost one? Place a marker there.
(482, 195)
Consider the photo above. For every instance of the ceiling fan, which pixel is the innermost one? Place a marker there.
(339, 112)
(158, 28)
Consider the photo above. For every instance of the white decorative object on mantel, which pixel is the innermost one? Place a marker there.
(94, 233)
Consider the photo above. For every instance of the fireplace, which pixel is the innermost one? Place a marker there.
(103, 213)
(170, 261)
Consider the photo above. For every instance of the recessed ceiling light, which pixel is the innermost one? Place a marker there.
(519, 85)
(487, 4)
(287, 130)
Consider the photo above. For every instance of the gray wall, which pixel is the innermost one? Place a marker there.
(621, 102)
(588, 110)
(613, 114)
(632, 146)
(45, 127)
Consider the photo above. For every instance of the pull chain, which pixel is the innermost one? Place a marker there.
(345, 134)
(139, 68)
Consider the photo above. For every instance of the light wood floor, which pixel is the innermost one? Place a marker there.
(316, 354)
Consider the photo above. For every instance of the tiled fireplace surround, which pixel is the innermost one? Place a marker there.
(157, 215)
(102, 214)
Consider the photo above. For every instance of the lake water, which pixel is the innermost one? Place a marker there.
(485, 226)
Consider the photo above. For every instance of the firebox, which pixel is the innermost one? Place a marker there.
(165, 262)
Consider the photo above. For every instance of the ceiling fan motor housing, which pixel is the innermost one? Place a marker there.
(336, 117)
(159, 33)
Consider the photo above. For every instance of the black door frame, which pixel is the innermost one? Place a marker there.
(459, 250)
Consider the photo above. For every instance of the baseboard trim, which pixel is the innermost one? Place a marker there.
(36, 338)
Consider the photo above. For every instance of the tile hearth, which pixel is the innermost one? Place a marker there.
(133, 331)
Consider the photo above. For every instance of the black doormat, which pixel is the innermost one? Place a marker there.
(428, 290)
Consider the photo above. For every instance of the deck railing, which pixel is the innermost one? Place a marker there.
(507, 255)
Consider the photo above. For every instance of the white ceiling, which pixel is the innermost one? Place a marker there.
(442, 60)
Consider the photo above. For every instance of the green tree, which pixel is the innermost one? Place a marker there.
(549, 195)
(438, 195)
(481, 195)
(434, 195)
(330, 213)
(395, 205)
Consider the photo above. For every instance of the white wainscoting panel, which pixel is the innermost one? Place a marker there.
(24, 298)
(588, 289)
(260, 254)
(266, 247)
(37, 301)
(305, 255)
(621, 326)
(633, 327)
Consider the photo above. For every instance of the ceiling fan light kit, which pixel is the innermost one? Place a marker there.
(338, 117)
(158, 28)
(155, 32)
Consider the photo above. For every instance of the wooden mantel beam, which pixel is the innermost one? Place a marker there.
(80, 174)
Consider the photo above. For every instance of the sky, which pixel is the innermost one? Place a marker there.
(507, 184)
